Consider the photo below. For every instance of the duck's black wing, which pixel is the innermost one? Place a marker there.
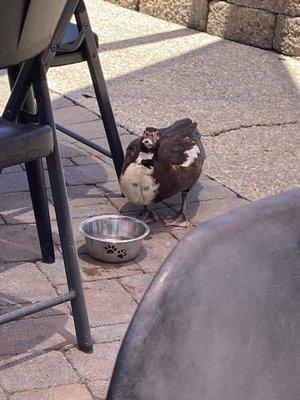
(177, 140)
(132, 153)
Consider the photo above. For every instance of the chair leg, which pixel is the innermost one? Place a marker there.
(100, 88)
(63, 219)
(38, 193)
(37, 187)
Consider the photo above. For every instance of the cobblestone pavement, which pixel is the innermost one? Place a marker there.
(38, 356)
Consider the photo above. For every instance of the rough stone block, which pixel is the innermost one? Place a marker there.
(66, 392)
(287, 35)
(191, 13)
(289, 7)
(27, 372)
(131, 4)
(241, 24)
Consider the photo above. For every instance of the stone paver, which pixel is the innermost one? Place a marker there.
(83, 195)
(91, 270)
(73, 115)
(136, 285)
(26, 284)
(94, 269)
(89, 174)
(96, 209)
(203, 190)
(34, 371)
(16, 182)
(200, 212)
(93, 129)
(99, 388)
(66, 392)
(254, 166)
(109, 333)
(16, 208)
(108, 303)
(33, 335)
(19, 243)
(96, 366)
(155, 250)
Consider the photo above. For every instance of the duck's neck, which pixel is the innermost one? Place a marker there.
(145, 156)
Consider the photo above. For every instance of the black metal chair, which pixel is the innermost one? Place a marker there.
(22, 41)
(221, 318)
(78, 44)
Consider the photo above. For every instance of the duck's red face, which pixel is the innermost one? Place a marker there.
(150, 138)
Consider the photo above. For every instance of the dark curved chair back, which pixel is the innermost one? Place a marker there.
(221, 319)
(26, 28)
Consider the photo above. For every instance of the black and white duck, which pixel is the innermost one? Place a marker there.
(162, 163)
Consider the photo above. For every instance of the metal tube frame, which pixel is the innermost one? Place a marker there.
(62, 211)
(33, 72)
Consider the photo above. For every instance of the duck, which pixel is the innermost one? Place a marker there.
(161, 163)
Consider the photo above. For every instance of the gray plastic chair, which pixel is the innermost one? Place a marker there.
(221, 319)
(26, 30)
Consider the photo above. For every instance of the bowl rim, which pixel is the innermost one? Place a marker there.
(108, 240)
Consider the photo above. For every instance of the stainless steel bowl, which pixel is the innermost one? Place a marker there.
(114, 238)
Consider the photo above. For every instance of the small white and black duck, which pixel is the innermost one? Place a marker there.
(162, 163)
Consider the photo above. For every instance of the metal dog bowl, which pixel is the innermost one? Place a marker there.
(114, 238)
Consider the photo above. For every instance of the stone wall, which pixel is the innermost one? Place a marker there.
(269, 24)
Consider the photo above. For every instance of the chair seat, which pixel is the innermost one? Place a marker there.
(21, 143)
(65, 57)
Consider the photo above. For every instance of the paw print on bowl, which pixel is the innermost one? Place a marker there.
(110, 249)
(122, 253)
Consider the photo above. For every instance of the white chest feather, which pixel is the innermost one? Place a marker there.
(137, 182)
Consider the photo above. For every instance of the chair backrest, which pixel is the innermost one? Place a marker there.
(26, 28)
(221, 319)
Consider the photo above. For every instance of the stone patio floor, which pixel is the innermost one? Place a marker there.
(38, 356)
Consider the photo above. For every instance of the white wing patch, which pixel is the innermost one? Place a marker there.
(192, 155)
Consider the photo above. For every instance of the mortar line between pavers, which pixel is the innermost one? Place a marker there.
(82, 380)
(128, 292)
(271, 124)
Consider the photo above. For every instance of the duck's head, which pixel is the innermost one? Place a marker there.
(150, 138)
